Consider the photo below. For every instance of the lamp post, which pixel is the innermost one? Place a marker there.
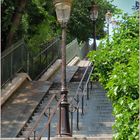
(94, 16)
(63, 8)
(114, 23)
(108, 17)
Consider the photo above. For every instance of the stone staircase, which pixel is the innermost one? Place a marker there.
(97, 120)
(80, 138)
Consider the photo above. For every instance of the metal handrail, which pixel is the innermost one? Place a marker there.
(12, 48)
(10, 65)
(51, 116)
(78, 92)
(40, 116)
(46, 48)
(49, 120)
(45, 58)
(33, 65)
(83, 93)
(80, 84)
(88, 80)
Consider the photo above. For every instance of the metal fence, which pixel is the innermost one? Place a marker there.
(12, 61)
(74, 49)
(19, 58)
(38, 64)
(78, 100)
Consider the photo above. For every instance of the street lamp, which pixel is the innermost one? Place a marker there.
(94, 16)
(108, 17)
(114, 23)
(63, 8)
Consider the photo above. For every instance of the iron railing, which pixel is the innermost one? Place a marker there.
(72, 50)
(78, 100)
(38, 64)
(12, 61)
(82, 91)
(19, 58)
(48, 124)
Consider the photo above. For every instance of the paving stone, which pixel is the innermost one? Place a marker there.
(70, 71)
(20, 106)
(96, 121)
(97, 118)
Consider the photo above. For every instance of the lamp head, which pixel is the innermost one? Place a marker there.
(63, 9)
(108, 16)
(94, 12)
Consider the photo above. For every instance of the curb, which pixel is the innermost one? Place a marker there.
(51, 70)
(74, 61)
(81, 138)
(13, 86)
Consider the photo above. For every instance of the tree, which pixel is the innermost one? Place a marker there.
(80, 24)
(37, 24)
(7, 9)
(116, 65)
(16, 21)
(42, 24)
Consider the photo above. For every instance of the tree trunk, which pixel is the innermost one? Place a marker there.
(16, 21)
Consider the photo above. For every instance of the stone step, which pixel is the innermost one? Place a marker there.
(68, 138)
(81, 138)
(74, 61)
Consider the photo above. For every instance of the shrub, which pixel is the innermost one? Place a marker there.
(116, 64)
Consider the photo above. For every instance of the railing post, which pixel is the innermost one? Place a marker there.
(59, 124)
(34, 134)
(28, 63)
(78, 118)
(71, 122)
(88, 91)
(11, 65)
(46, 57)
(40, 56)
(91, 85)
(49, 127)
(82, 104)
(82, 88)
(2, 77)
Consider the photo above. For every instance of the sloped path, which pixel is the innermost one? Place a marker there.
(20, 106)
(70, 70)
(97, 120)
(18, 109)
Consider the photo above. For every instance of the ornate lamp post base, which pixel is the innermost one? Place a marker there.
(63, 125)
(64, 119)
(63, 8)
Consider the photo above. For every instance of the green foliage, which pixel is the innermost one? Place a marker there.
(42, 26)
(80, 24)
(39, 15)
(37, 26)
(116, 64)
(8, 9)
